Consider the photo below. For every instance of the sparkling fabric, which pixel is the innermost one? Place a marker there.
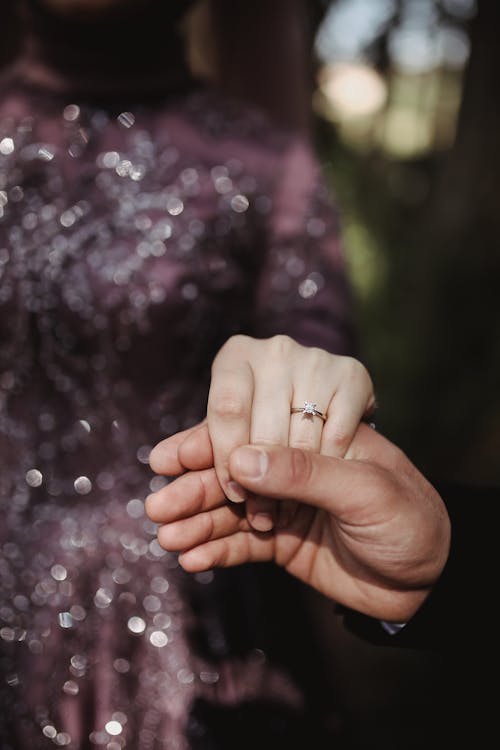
(134, 240)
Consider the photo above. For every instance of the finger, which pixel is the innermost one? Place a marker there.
(195, 452)
(237, 549)
(270, 424)
(313, 387)
(228, 416)
(164, 459)
(352, 400)
(261, 512)
(191, 493)
(335, 485)
(343, 391)
(202, 528)
(270, 421)
(369, 446)
(306, 427)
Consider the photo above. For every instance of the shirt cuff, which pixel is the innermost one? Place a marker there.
(392, 627)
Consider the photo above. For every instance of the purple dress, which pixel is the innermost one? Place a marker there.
(138, 233)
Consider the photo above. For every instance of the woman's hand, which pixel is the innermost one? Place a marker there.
(368, 531)
(256, 382)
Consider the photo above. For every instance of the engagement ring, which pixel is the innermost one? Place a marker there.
(309, 409)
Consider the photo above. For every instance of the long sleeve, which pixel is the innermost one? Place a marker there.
(454, 627)
(304, 290)
(459, 610)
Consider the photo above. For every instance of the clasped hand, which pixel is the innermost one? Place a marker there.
(335, 504)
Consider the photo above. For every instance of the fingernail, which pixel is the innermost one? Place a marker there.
(251, 462)
(235, 492)
(261, 521)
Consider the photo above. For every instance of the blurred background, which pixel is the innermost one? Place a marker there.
(402, 100)
(407, 104)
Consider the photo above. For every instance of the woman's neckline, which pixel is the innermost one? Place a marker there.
(139, 55)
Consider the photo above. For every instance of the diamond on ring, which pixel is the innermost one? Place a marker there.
(309, 409)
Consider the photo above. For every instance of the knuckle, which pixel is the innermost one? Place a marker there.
(228, 404)
(355, 370)
(261, 439)
(200, 497)
(220, 556)
(341, 439)
(281, 345)
(319, 364)
(320, 357)
(207, 526)
(303, 443)
(237, 340)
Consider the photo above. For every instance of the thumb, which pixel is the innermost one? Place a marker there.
(294, 474)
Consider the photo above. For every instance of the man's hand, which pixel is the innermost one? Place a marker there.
(368, 531)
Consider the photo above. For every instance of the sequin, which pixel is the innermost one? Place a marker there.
(82, 485)
(63, 739)
(6, 146)
(209, 677)
(71, 112)
(7, 634)
(143, 453)
(308, 288)
(65, 620)
(174, 206)
(79, 662)
(58, 572)
(113, 727)
(157, 483)
(159, 584)
(206, 577)
(78, 612)
(34, 478)
(125, 260)
(103, 598)
(136, 625)
(44, 153)
(151, 603)
(121, 576)
(70, 687)
(161, 620)
(158, 638)
(126, 119)
(121, 665)
(239, 203)
(185, 676)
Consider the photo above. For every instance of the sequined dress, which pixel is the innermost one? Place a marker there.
(135, 238)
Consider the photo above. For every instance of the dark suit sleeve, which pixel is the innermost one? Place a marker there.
(459, 610)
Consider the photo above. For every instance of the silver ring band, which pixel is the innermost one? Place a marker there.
(308, 410)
